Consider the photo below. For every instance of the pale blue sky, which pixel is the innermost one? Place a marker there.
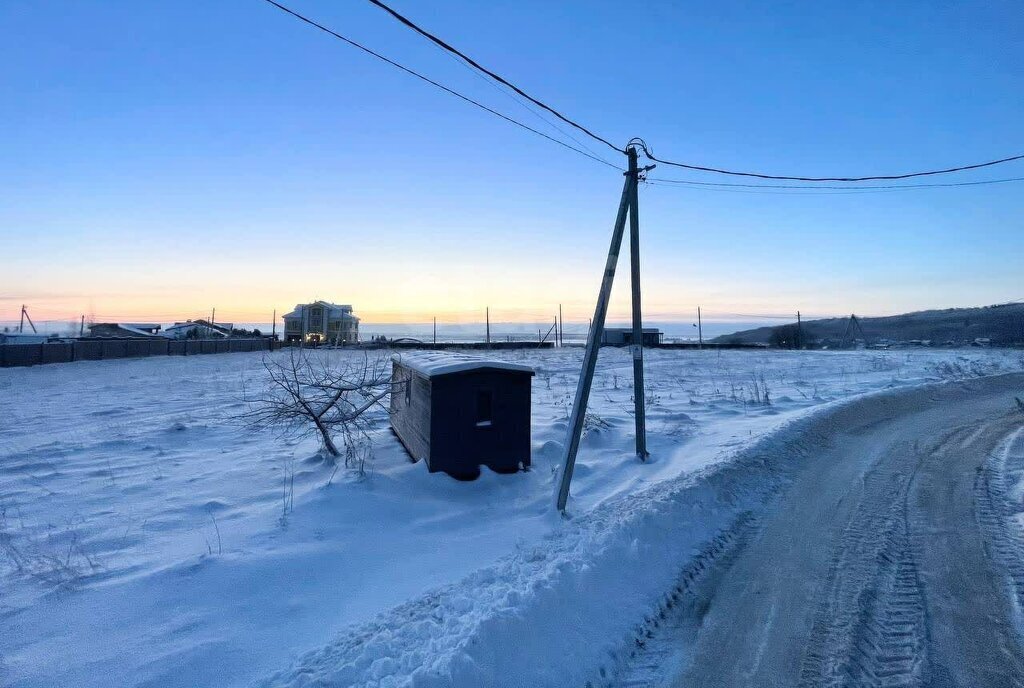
(165, 157)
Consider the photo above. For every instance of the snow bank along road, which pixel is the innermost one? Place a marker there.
(889, 560)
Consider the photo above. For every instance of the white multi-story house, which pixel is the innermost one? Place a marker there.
(323, 322)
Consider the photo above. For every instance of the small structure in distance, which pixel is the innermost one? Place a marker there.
(24, 338)
(197, 329)
(125, 330)
(623, 336)
(321, 322)
(458, 412)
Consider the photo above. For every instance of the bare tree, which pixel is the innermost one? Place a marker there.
(309, 393)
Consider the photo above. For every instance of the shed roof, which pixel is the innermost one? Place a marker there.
(435, 363)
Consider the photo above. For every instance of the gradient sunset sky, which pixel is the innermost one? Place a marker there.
(158, 159)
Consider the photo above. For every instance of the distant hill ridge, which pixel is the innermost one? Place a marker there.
(1002, 324)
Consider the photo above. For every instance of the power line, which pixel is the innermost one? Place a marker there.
(426, 34)
(647, 152)
(788, 190)
(808, 192)
(793, 186)
(430, 81)
(517, 100)
(889, 177)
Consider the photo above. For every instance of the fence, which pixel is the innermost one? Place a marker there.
(103, 349)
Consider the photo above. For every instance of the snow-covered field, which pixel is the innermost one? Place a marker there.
(147, 537)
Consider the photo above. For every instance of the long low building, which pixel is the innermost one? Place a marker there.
(623, 336)
(125, 330)
(197, 329)
(23, 338)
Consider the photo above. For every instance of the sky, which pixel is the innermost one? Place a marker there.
(158, 160)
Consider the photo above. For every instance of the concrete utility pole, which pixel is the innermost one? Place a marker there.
(488, 327)
(700, 331)
(435, 330)
(639, 412)
(273, 325)
(21, 325)
(628, 203)
(799, 332)
(561, 327)
(81, 328)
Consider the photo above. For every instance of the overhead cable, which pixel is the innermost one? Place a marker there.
(430, 81)
(431, 37)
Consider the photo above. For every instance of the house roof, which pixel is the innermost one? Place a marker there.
(23, 337)
(435, 363)
(119, 330)
(189, 324)
(135, 329)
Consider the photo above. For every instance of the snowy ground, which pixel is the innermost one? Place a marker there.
(145, 537)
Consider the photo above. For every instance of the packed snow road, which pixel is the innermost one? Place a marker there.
(888, 560)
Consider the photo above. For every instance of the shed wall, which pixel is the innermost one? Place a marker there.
(458, 444)
(410, 412)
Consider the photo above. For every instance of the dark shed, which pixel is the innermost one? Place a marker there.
(460, 412)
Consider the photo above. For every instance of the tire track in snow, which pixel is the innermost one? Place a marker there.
(871, 628)
(995, 512)
(888, 647)
(656, 651)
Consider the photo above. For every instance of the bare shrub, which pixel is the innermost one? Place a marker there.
(592, 421)
(565, 402)
(760, 394)
(309, 394)
(58, 560)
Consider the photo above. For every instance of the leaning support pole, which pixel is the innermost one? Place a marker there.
(24, 313)
(639, 395)
(579, 407)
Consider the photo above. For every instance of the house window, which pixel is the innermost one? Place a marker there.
(484, 408)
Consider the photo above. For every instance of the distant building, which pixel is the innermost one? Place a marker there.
(197, 329)
(23, 338)
(623, 336)
(125, 330)
(321, 321)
